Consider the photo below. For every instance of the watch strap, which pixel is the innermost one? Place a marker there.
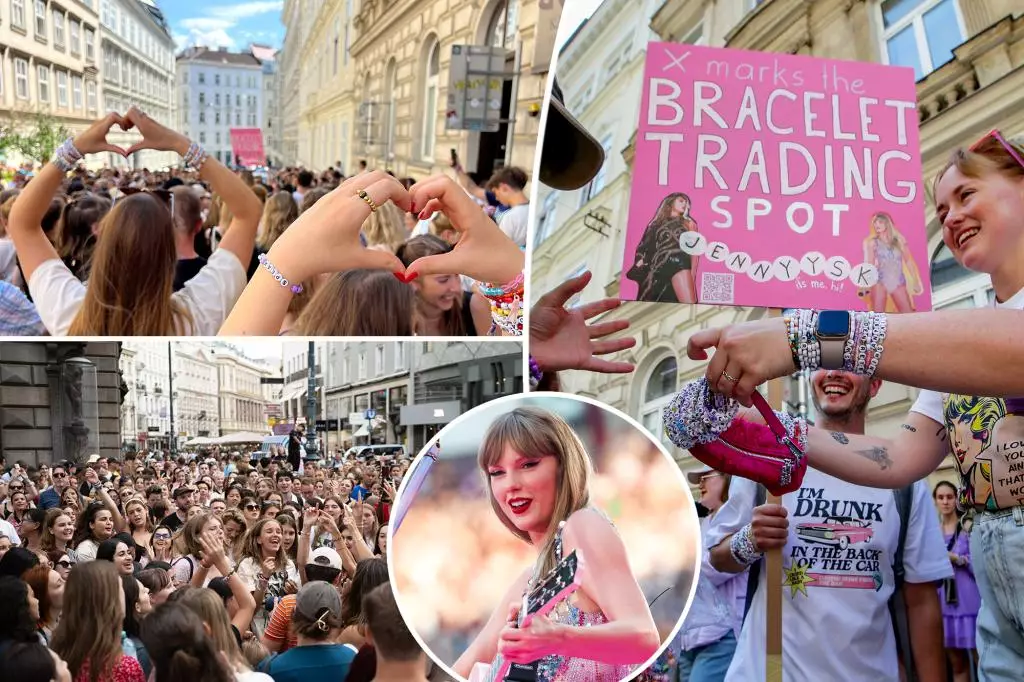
(832, 353)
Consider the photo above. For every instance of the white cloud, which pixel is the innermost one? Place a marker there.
(180, 40)
(215, 29)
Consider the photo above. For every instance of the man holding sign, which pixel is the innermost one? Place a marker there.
(767, 179)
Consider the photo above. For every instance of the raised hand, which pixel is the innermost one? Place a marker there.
(213, 549)
(561, 339)
(769, 527)
(484, 252)
(94, 139)
(154, 134)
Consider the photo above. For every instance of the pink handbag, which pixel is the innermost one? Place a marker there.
(770, 454)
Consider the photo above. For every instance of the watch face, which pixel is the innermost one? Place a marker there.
(833, 324)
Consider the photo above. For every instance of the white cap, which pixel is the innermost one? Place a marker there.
(325, 556)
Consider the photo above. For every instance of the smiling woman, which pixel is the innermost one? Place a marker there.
(582, 609)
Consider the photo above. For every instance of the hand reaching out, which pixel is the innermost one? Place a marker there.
(561, 339)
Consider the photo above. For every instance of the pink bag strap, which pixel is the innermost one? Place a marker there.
(781, 434)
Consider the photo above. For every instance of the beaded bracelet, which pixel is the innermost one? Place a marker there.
(506, 305)
(864, 344)
(535, 374)
(195, 157)
(491, 291)
(281, 279)
(66, 156)
(743, 549)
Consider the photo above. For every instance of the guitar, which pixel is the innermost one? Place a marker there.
(564, 579)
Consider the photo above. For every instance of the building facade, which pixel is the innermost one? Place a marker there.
(218, 90)
(297, 16)
(376, 84)
(59, 401)
(195, 393)
(146, 368)
(271, 122)
(241, 394)
(137, 53)
(452, 377)
(49, 63)
(295, 391)
(970, 81)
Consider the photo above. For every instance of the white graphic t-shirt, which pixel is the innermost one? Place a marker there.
(986, 439)
(837, 578)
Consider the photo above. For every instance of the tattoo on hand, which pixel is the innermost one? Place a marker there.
(910, 428)
(877, 454)
(840, 438)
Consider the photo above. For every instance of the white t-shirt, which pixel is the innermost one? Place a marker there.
(209, 296)
(986, 439)
(248, 569)
(838, 577)
(7, 529)
(87, 549)
(9, 263)
(514, 222)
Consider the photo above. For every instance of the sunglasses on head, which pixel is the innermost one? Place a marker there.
(165, 196)
(998, 137)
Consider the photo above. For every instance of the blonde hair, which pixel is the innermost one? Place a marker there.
(534, 431)
(987, 156)
(385, 227)
(279, 212)
(209, 606)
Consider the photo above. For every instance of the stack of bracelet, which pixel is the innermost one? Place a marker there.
(506, 305)
(195, 157)
(535, 374)
(743, 549)
(863, 348)
(67, 156)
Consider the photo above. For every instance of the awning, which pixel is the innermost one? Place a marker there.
(293, 393)
(363, 431)
(240, 438)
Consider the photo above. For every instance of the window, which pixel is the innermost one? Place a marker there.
(546, 219)
(390, 86)
(659, 390)
(202, 137)
(238, 100)
(62, 89)
(18, 13)
(202, 98)
(43, 80)
(202, 116)
(337, 38)
(202, 78)
(41, 20)
(90, 45)
(921, 33)
(433, 69)
(90, 90)
(58, 29)
(217, 138)
(378, 361)
(216, 99)
(21, 78)
(504, 25)
(76, 37)
(362, 364)
(76, 92)
(400, 355)
(216, 79)
(238, 118)
(216, 117)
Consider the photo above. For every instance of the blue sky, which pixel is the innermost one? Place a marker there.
(224, 23)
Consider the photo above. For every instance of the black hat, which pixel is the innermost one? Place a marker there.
(571, 156)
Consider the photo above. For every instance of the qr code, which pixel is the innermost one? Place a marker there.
(717, 287)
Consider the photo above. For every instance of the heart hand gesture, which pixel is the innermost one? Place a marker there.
(154, 135)
(94, 139)
(484, 252)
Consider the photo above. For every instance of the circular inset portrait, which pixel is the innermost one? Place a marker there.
(544, 537)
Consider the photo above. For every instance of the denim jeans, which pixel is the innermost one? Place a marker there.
(707, 663)
(997, 551)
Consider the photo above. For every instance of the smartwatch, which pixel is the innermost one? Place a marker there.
(832, 329)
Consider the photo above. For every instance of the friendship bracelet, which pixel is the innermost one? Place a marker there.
(507, 315)
(195, 157)
(743, 548)
(513, 287)
(281, 279)
(536, 375)
(66, 156)
(861, 353)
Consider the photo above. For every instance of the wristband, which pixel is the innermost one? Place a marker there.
(281, 279)
(536, 375)
(743, 549)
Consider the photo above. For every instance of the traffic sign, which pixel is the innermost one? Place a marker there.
(370, 414)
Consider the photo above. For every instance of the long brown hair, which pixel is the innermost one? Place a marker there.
(48, 541)
(251, 548)
(279, 212)
(75, 240)
(539, 432)
(208, 605)
(90, 621)
(132, 277)
(38, 578)
(429, 245)
(359, 303)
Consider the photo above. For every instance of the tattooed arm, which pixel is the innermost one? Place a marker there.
(914, 453)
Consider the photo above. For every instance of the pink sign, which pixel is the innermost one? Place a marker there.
(247, 146)
(776, 180)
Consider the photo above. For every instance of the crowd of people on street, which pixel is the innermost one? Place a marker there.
(212, 566)
(203, 249)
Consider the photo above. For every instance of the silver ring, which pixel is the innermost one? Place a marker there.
(729, 377)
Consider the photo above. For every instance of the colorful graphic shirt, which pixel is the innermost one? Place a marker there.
(837, 578)
(986, 439)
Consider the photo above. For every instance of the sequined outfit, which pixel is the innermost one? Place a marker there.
(560, 668)
(889, 261)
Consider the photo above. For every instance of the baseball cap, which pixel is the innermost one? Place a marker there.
(325, 556)
(316, 596)
(571, 156)
(92, 459)
(183, 490)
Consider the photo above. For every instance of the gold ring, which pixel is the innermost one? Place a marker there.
(369, 201)
(728, 377)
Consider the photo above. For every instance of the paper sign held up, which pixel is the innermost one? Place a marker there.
(776, 180)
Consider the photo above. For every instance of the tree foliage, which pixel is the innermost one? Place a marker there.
(36, 140)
